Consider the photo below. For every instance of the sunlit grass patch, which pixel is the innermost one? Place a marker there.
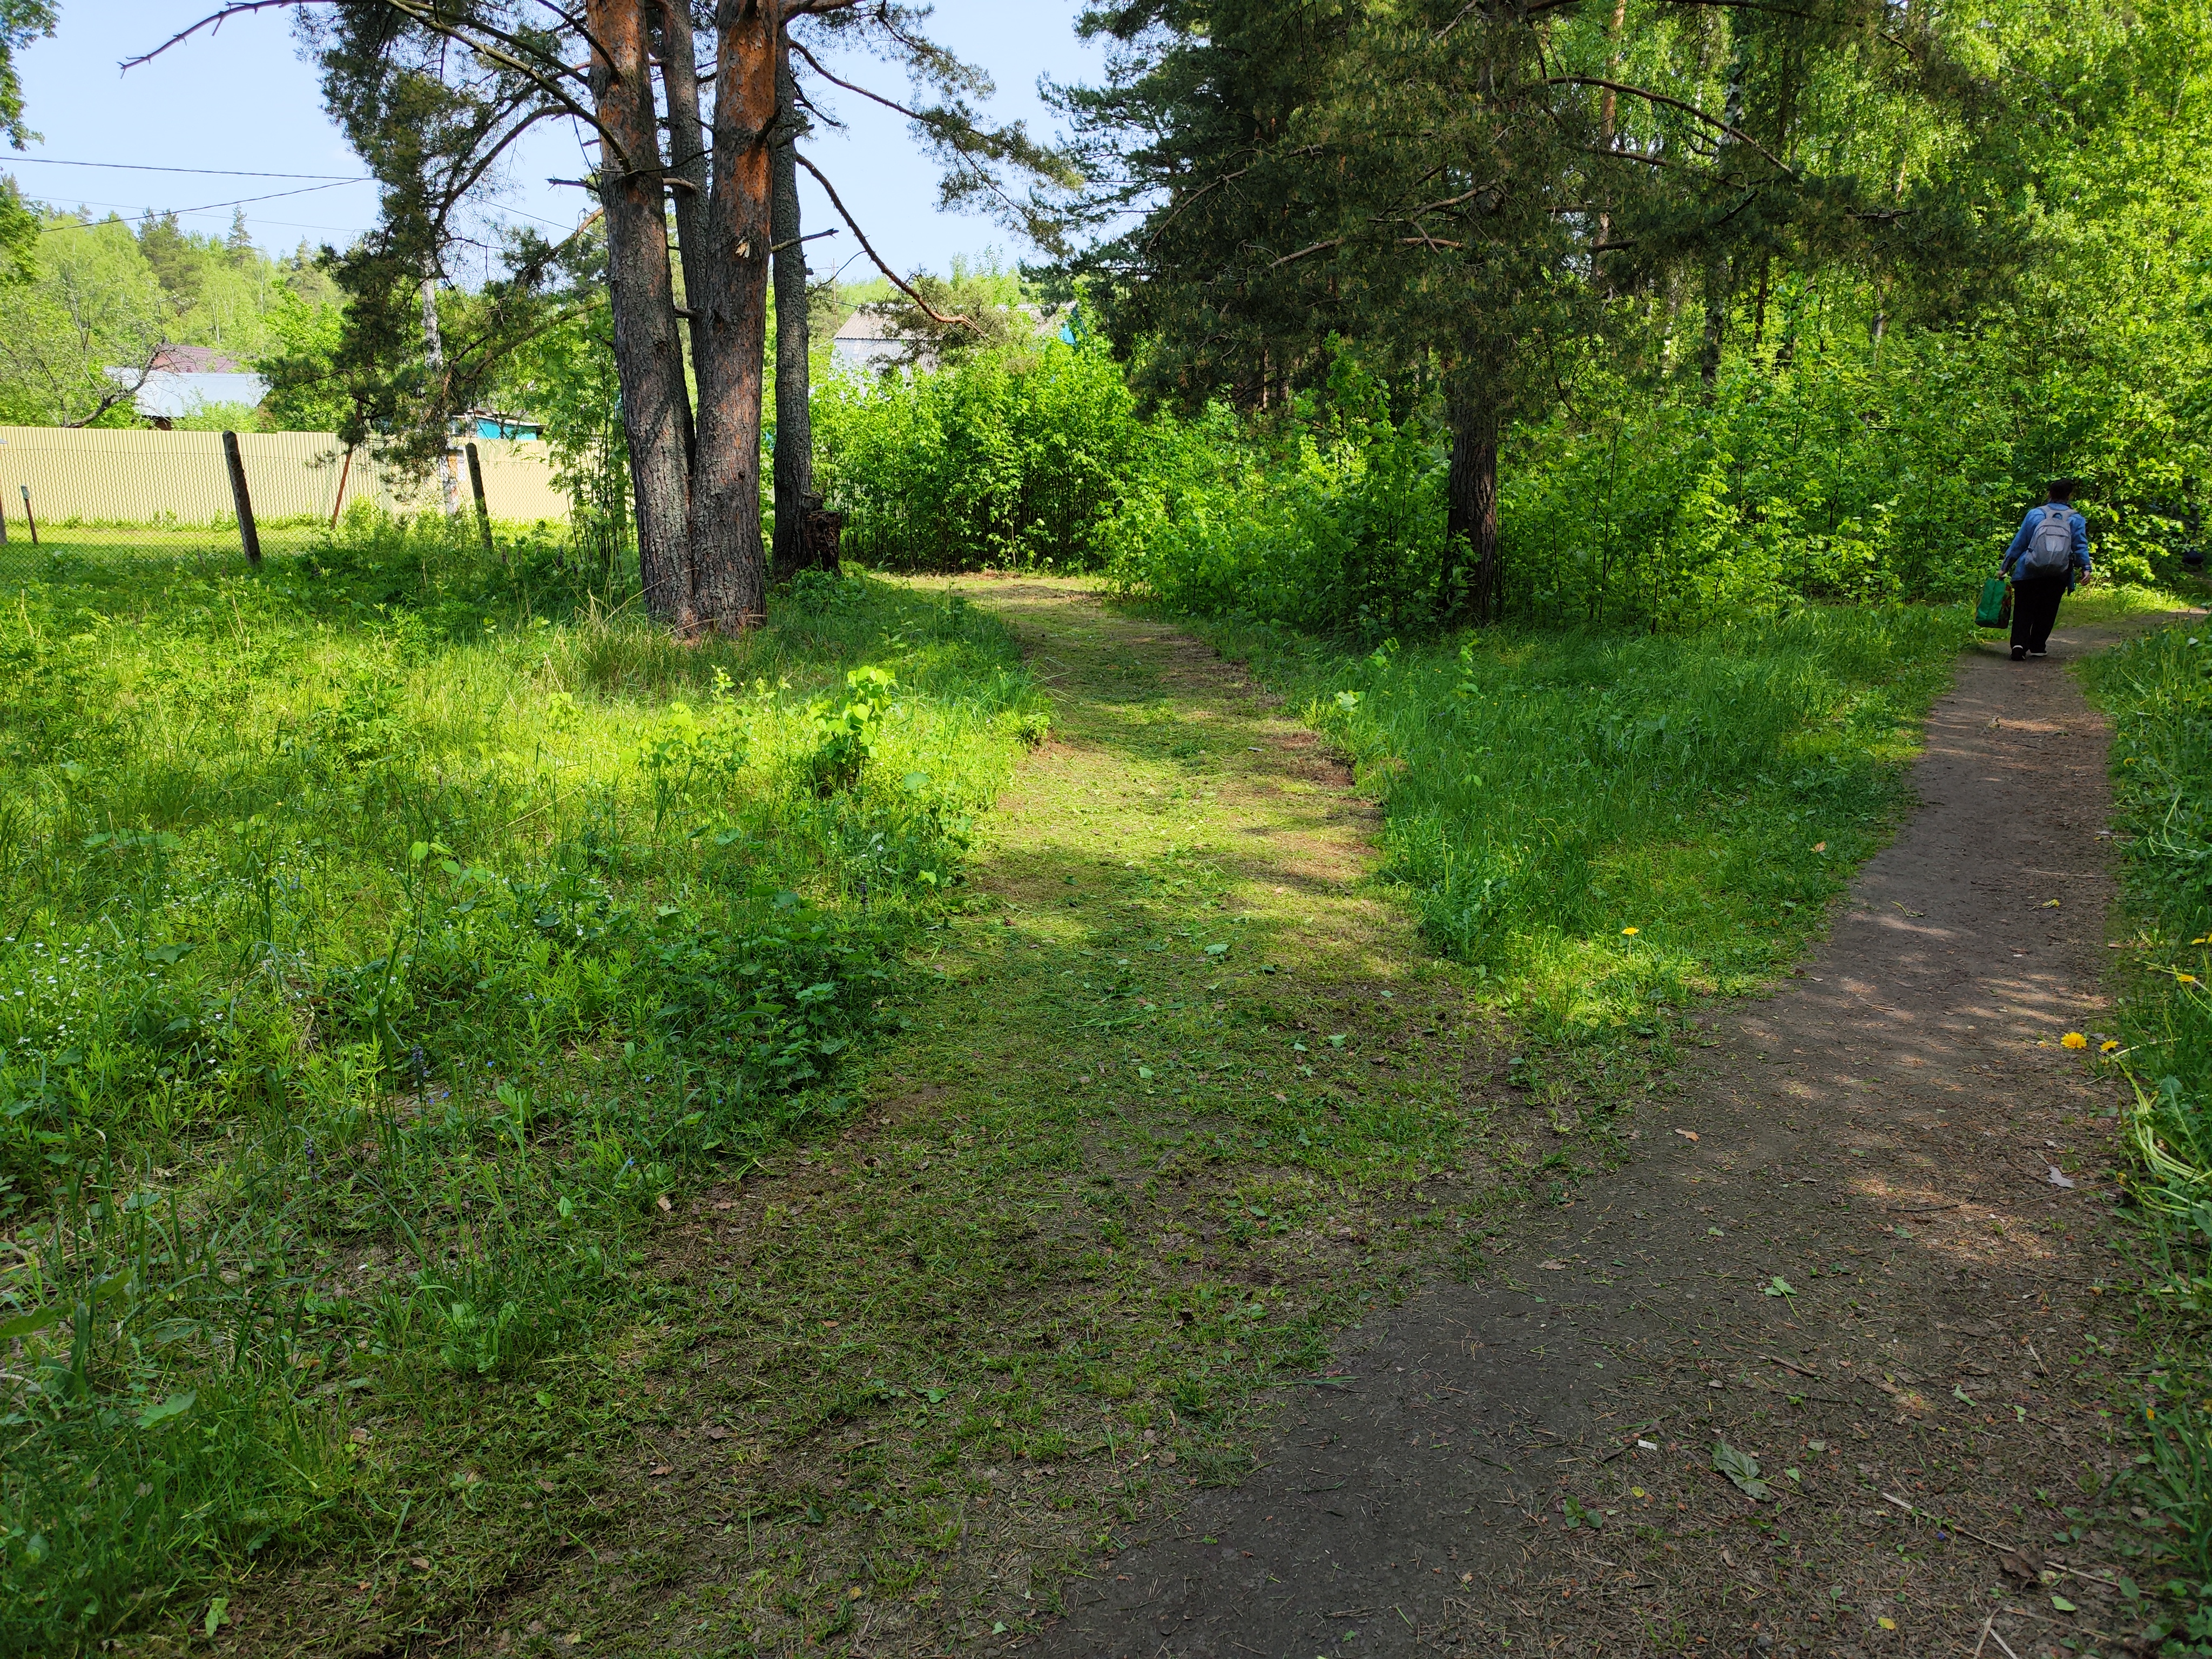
(388, 934)
(1601, 824)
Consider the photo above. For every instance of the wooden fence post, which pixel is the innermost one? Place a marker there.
(344, 472)
(247, 535)
(475, 485)
(28, 519)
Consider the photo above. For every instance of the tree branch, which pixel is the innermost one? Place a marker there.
(1691, 110)
(866, 248)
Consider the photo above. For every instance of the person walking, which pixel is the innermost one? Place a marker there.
(2052, 545)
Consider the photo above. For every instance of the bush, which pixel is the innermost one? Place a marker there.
(1839, 476)
(1010, 459)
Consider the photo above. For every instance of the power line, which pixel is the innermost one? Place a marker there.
(205, 172)
(205, 207)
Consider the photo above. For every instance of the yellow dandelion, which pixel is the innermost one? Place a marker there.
(1626, 931)
(2206, 939)
(2186, 979)
(2109, 1046)
(2073, 1040)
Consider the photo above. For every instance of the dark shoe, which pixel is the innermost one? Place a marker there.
(2018, 651)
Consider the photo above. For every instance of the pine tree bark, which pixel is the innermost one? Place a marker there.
(648, 358)
(794, 421)
(729, 572)
(1471, 510)
(687, 155)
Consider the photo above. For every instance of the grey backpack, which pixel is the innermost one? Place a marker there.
(2051, 544)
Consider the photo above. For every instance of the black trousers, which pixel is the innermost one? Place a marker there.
(2035, 609)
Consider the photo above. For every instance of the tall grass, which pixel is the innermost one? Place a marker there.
(381, 938)
(2159, 691)
(1602, 824)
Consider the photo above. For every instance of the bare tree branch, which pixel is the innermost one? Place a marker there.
(897, 280)
(1691, 110)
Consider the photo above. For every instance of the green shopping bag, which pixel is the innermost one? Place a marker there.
(1996, 609)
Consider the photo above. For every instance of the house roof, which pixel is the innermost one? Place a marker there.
(865, 326)
(194, 360)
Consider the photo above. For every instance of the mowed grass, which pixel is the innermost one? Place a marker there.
(387, 936)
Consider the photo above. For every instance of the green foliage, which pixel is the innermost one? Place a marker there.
(390, 906)
(2158, 692)
(1333, 523)
(565, 377)
(98, 296)
(21, 22)
(1002, 311)
(1009, 459)
(847, 735)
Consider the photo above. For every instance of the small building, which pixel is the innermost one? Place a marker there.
(863, 344)
(183, 380)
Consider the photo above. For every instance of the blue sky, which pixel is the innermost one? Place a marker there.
(244, 101)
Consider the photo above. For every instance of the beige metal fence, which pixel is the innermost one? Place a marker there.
(123, 493)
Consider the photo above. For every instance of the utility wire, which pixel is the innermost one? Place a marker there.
(205, 207)
(208, 173)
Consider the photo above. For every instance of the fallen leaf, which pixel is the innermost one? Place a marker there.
(1819, 846)
(663, 1202)
(1887, 1623)
(1554, 1266)
(420, 1562)
(2051, 904)
(2059, 1177)
(1780, 1286)
(546, 1485)
(2063, 1605)
(1687, 1135)
(660, 1469)
(718, 1433)
(1741, 1468)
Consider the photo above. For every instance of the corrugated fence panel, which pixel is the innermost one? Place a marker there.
(133, 477)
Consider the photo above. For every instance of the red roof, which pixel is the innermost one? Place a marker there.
(195, 360)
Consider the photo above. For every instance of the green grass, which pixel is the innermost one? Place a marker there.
(1039, 1185)
(383, 937)
(2158, 690)
(1601, 824)
(1188, 1094)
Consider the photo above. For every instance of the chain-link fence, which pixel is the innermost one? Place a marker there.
(75, 500)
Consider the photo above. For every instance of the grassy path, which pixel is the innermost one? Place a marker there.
(1176, 1104)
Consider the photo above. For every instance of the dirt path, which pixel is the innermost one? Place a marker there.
(1899, 1141)
(1168, 1109)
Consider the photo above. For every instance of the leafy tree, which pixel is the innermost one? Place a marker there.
(21, 22)
(1480, 191)
(94, 304)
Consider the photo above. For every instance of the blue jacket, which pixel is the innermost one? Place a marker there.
(2026, 531)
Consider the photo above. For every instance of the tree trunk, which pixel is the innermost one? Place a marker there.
(1471, 520)
(731, 306)
(434, 362)
(687, 157)
(794, 421)
(648, 358)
